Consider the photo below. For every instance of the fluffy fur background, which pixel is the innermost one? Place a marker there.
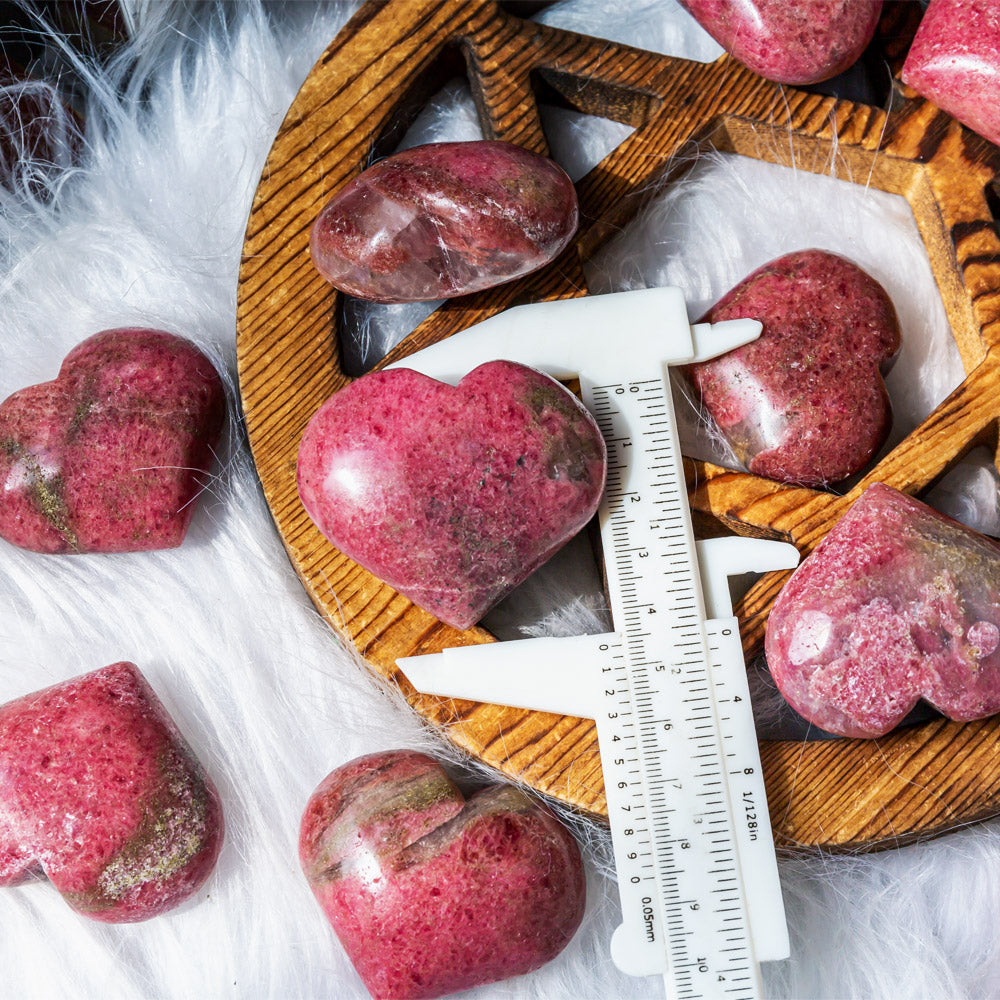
(148, 231)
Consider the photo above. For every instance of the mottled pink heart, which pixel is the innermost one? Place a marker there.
(429, 893)
(897, 603)
(100, 792)
(452, 495)
(954, 61)
(805, 403)
(107, 457)
(790, 41)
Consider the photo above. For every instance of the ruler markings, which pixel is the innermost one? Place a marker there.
(682, 648)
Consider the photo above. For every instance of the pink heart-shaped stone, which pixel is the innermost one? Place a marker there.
(429, 893)
(790, 41)
(99, 791)
(954, 61)
(106, 457)
(897, 603)
(452, 495)
(805, 403)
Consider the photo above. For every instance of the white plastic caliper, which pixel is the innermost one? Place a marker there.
(701, 902)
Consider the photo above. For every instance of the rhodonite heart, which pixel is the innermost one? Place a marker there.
(99, 791)
(106, 458)
(790, 41)
(955, 62)
(429, 893)
(453, 495)
(897, 603)
(805, 402)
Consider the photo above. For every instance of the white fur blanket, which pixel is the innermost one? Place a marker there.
(147, 230)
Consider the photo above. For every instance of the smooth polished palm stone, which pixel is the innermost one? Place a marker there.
(444, 219)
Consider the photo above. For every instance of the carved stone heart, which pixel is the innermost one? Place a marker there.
(99, 791)
(805, 403)
(790, 41)
(954, 61)
(897, 603)
(452, 495)
(106, 458)
(429, 893)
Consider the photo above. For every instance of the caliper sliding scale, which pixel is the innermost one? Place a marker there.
(701, 902)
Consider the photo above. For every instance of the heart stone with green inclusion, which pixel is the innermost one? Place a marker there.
(100, 793)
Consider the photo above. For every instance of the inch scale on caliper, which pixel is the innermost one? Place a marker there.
(701, 903)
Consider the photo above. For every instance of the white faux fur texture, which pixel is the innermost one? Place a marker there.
(148, 230)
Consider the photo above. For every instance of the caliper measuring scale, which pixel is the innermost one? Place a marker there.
(697, 876)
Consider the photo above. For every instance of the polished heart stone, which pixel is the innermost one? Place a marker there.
(100, 792)
(452, 495)
(790, 41)
(897, 603)
(954, 61)
(107, 457)
(444, 219)
(805, 403)
(429, 893)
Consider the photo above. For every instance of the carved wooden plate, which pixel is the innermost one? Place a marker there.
(841, 794)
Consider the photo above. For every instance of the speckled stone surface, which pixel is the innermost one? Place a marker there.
(805, 403)
(790, 41)
(954, 61)
(444, 219)
(108, 456)
(100, 792)
(430, 894)
(897, 603)
(453, 495)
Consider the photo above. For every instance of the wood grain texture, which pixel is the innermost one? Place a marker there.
(841, 794)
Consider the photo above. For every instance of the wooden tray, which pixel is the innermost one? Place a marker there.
(842, 794)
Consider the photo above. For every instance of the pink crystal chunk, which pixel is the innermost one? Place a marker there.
(444, 219)
(955, 62)
(805, 403)
(897, 603)
(452, 495)
(107, 457)
(429, 893)
(100, 792)
(790, 41)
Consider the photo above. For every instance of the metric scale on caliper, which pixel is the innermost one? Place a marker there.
(701, 902)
